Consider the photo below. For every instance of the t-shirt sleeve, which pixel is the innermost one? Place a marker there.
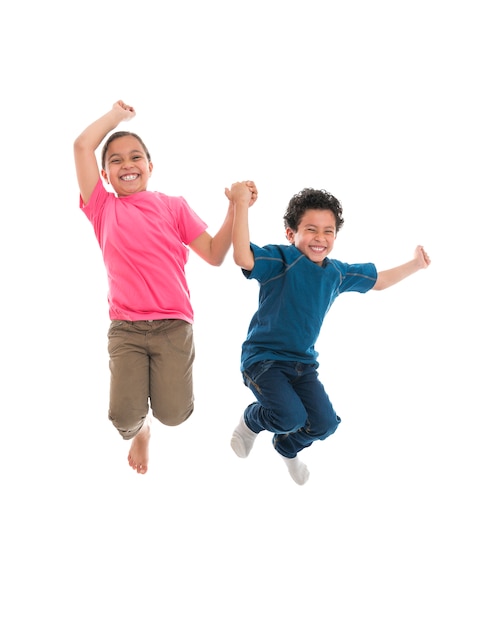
(360, 277)
(268, 263)
(97, 200)
(190, 224)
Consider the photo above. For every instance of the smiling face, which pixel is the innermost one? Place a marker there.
(315, 235)
(127, 168)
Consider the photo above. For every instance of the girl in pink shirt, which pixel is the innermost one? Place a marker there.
(145, 238)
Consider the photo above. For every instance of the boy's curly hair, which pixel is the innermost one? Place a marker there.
(312, 199)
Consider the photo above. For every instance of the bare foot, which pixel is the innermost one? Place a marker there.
(138, 456)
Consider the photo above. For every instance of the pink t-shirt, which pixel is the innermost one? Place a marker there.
(144, 239)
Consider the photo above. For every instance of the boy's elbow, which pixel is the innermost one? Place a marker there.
(380, 284)
(244, 263)
(237, 258)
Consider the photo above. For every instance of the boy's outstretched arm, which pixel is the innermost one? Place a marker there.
(388, 278)
(243, 255)
(85, 145)
(214, 249)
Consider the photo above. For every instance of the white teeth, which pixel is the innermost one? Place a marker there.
(129, 177)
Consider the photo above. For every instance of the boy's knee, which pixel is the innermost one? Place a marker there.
(286, 423)
(326, 428)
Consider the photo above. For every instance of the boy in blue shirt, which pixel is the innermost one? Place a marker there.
(298, 284)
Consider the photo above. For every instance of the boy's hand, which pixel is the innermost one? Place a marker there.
(245, 191)
(127, 112)
(253, 188)
(422, 257)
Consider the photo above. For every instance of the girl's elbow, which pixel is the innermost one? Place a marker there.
(215, 260)
(80, 145)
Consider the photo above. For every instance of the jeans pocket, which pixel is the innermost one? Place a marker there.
(252, 374)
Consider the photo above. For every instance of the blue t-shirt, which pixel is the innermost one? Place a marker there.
(295, 295)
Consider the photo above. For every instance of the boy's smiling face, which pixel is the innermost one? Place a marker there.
(127, 168)
(316, 234)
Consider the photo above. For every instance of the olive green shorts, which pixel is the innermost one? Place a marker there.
(151, 367)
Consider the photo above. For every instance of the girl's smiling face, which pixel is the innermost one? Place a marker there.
(316, 234)
(127, 168)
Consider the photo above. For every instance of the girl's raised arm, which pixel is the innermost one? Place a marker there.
(85, 145)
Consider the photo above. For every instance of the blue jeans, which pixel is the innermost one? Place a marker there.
(292, 403)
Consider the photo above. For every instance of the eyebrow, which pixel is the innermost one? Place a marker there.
(315, 226)
(116, 154)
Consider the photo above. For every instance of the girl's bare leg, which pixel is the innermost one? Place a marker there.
(138, 456)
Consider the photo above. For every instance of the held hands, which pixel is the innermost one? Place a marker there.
(253, 189)
(245, 191)
(422, 258)
(126, 112)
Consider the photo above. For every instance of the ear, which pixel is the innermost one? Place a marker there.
(151, 166)
(105, 176)
(290, 235)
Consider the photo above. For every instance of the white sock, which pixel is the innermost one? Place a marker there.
(242, 439)
(297, 469)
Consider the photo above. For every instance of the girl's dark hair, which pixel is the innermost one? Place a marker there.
(312, 199)
(121, 133)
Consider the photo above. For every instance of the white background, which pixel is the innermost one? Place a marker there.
(373, 101)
